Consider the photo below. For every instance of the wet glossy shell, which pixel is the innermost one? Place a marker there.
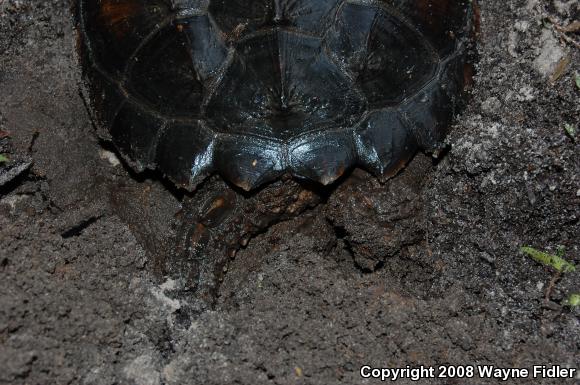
(253, 89)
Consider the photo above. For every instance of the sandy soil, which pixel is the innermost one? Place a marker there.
(425, 270)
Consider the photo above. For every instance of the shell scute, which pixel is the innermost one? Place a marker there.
(135, 134)
(323, 157)
(163, 77)
(249, 162)
(280, 86)
(115, 29)
(185, 152)
(383, 141)
(387, 57)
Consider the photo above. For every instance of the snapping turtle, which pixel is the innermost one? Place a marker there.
(254, 90)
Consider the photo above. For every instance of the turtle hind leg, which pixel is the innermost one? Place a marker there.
(217, 221)
(196, 256)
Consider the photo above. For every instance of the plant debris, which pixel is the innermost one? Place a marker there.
(573, 300)
(570, 131)
(560, 69)
(564, 30)
(554, 261)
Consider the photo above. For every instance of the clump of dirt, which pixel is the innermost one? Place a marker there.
(426, 269)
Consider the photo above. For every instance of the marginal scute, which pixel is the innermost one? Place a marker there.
(382, 141)
(185, 153)
(323, 157)
(105, 99)
(431, 111)
(249, 162)
(135, 132)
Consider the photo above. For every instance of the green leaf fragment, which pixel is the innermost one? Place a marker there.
(573, 300)
(3, 159)
(577, 79)
(570, 130)
(551, 260)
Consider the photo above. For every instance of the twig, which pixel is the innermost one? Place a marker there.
(551, 285)
(572, 27)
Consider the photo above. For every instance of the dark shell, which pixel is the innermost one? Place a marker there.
(252, 89)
